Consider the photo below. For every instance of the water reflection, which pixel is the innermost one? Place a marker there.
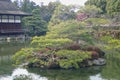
(6, 51)
(22, 72)
(112, 70)
(53, 75)
(81, 74)
(10, 48)
(96, 77)
(6, 65)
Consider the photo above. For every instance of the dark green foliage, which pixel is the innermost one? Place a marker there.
(51, 58)
(99, 3)
(46, 12)
(91, 10)
(62, 13)
(97, 21)
(71, 59)
(25, 5)
(113, 7)
(35, 24)
(17, 3)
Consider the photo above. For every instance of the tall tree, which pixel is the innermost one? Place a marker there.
(113, 7)
(35, 24)
(17, 3)
(62, 13)
(28, 6)
(99, 3)
(46, 12)
(91, 10)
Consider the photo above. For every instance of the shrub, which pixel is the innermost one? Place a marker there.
(72, 58)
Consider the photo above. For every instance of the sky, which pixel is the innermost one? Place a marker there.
(66, 2)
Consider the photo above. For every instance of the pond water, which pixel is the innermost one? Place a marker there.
(110, 71)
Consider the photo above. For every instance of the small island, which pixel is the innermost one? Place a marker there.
(70, 57)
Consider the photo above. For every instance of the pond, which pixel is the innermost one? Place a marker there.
(110, 71)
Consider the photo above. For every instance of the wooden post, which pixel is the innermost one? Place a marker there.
(8, 39)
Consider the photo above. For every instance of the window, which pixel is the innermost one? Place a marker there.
(11, 19)
(17, 19)
(4, 18)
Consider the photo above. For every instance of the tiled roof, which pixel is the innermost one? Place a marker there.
(7, 7)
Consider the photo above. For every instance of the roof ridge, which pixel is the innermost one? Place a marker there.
(7, 7)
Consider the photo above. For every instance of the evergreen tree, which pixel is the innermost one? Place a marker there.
(113, 7)
(62, 13)
(35, 24)
(99, 3)
(28, 6)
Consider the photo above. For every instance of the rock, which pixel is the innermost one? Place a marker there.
(99, 62)
(24, 64)
(90, 63)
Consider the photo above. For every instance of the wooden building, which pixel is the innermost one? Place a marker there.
(10, 19)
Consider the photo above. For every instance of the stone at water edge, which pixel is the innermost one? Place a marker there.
(99, 62)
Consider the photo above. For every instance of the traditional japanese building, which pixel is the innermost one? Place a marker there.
(10, 19)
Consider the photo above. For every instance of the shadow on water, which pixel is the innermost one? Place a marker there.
(10, 48)
(6, 52)
(81, 74)
(37, 74)
(22, 74)
(112, 70)
(6, 65)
